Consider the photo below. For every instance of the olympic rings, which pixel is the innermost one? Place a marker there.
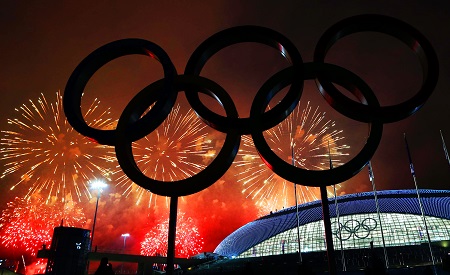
(133, 125)
(393, 27)
(232, 36)
(318, 178)
(94, 61)
(360, 230)
(204, 178)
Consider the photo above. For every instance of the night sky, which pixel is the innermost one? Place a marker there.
(42, 43)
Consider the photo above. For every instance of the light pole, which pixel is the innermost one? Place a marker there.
(125, 236)
(98, 185)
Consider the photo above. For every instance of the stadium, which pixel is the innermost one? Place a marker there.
(399, 225)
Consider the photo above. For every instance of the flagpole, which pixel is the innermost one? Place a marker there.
(447, 157)
(411, 166)
(336, 206)
(372, 180)
(296, 206)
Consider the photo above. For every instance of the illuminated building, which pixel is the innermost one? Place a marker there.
(401, 223)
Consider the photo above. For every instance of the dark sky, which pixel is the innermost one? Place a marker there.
(42, 43)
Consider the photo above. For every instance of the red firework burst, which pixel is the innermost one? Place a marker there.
(27, 224)
(187, 243)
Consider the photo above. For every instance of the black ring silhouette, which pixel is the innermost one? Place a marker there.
(94, 61)
(302, 176)
(397, 29)
(236, 35)
(135, 122)
(197, 182)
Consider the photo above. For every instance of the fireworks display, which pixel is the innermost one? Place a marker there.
(47, 164)
(306, 135)
(188, 241)
(27, 224)
(179, 148)
(55, 162)
(47, 156)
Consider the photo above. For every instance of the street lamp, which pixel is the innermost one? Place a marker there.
(125, 236)
(98, 185)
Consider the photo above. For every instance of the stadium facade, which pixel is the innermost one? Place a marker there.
(400, 224)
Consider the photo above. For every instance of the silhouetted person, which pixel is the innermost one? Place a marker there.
(247, 270)
(376, 266)
(104, 268)
(428, 270)
(446, 262)
(303, 269)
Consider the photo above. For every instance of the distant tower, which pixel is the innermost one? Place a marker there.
(68, 252)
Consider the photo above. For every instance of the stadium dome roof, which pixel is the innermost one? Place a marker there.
(436, 203)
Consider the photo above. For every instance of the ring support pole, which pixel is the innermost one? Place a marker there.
(172, 234)
(328, 234)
